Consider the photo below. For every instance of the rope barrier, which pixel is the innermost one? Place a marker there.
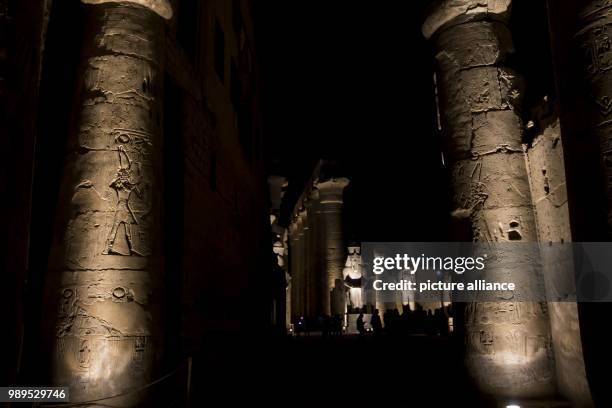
(123, 394)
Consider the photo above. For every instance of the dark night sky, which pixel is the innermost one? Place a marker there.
(352, 81)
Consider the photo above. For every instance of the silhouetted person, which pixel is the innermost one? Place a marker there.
(387, 320)
(361, 325)
(406, 320)
(376, 323)
(394, 322)
(429, 323)
(420, 318)
(441, 322)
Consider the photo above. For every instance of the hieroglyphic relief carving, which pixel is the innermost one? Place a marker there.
(73, 320)
(493, 313)
(83, 354)
(605, 104)
(486, 342)
(598, 51)
(138, 354)
(133, 152)
(596, 46)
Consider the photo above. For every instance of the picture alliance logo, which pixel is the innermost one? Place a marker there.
(405, 262)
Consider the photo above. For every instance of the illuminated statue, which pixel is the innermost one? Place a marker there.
(352, 274)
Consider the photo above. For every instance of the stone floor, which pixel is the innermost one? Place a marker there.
(414, 371)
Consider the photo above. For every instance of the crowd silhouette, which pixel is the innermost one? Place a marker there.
(391, 323)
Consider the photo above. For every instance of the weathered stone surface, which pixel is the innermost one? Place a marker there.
(496, 131)
(448, 12)
(468, 89)
(509, 351)
(547, 178)
(105, 272)
(474, 182)
(161, 7)
(479, 44)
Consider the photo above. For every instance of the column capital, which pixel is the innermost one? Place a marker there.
(161, 7)
(443, 13)
(330, 191)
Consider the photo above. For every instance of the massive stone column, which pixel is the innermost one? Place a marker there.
(297, 264)
(508, 342)
(293, 262)
(330, 201)
(301, 264)
(103, 294)
(545, 163)
(305, 258)
(317, 260)
(310, 243)
(595, 40)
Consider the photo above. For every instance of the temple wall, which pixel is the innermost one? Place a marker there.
(225, 260)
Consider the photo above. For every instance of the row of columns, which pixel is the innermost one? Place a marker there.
(102, 293)
(317, 250)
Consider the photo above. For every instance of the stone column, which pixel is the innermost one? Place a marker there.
(330, 201)
(595, 40)
(300, 265)
(309, 237)
(293, 269)
(306, 265)
(545, 163)
(508, 343)
(297, 264)
(103, 295)
(317, 281)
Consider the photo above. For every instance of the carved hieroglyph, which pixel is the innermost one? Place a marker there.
(508, 343)
(105, 264)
